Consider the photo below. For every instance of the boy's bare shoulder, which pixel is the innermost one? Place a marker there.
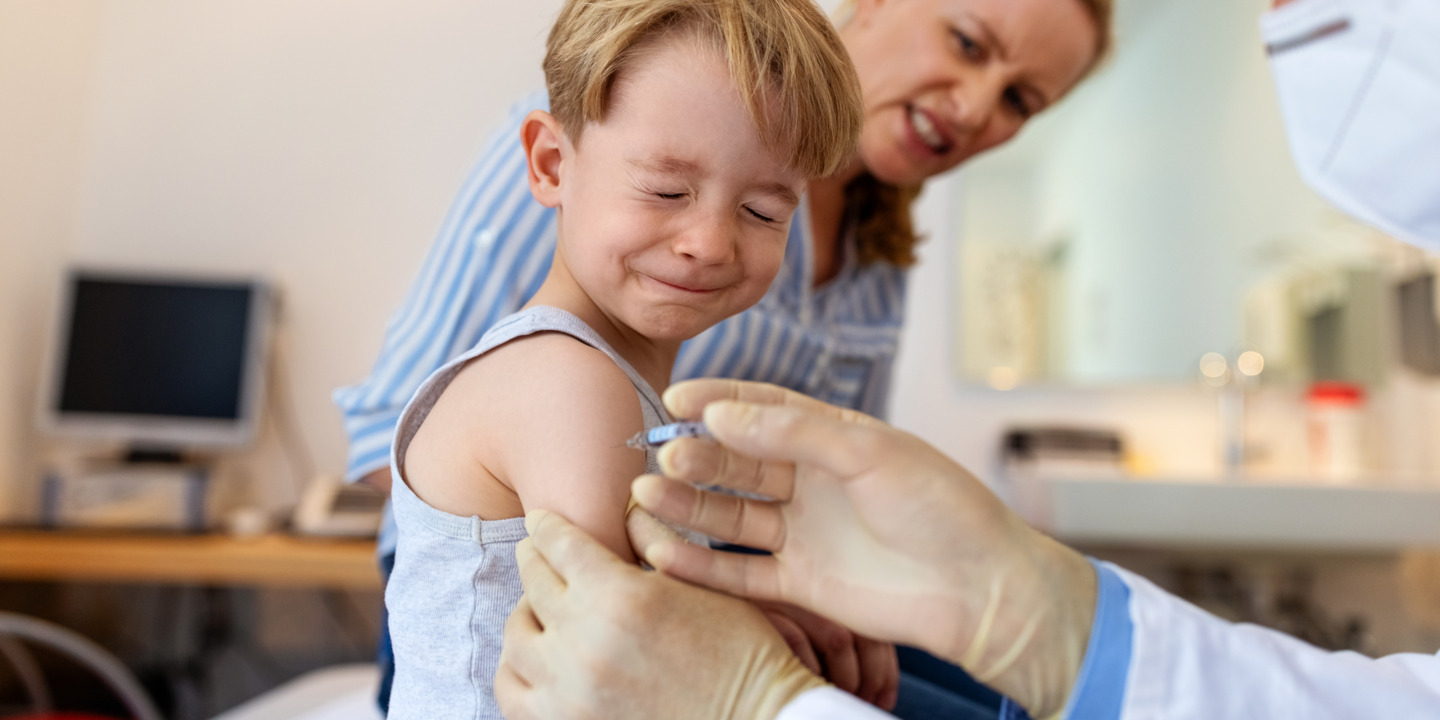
(535, 390)
(530, 418)
(549, 367)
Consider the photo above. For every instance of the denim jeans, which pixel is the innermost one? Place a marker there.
(385, 654)
(932, 688)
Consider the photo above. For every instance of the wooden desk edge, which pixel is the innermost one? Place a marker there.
(271, 560)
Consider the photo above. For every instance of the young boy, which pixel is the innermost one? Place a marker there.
(680, 139)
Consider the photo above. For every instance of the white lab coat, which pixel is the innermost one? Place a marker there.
(1186, 664)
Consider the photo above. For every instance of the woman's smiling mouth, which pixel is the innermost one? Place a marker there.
(927, 131)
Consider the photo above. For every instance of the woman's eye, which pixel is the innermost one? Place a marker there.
(762, 218)
(1017, 102)
(969, 48)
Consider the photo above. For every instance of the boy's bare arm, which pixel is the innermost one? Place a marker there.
(569, 411)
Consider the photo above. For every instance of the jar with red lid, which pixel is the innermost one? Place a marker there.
(1336, 430)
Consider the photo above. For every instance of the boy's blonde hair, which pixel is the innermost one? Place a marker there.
(785, 58)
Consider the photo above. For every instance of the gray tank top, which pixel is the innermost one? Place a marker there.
(455, 579)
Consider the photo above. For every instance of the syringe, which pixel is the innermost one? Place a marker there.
(657, 436)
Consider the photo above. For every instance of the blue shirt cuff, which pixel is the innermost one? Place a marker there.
(1099, 692)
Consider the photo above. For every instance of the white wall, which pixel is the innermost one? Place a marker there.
(46, 61)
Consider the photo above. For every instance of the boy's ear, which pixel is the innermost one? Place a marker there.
(543, 139)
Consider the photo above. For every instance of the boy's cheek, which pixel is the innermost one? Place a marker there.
(763, 276)
(774, 258)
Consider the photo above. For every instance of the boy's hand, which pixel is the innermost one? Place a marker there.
(865, 668)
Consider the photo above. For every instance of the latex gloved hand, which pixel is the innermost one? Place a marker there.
(868, 669)
(874, 529)
(596, 637)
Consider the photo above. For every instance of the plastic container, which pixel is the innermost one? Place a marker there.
(1336, 431)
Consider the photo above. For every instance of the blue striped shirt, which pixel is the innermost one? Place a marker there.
(836, 342)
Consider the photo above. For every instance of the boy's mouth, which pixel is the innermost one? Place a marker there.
(689, 286)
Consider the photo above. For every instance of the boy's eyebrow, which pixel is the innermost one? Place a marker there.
(671, 165)
(781, 191)
(667, 165)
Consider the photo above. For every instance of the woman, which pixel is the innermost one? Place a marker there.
(942, 81)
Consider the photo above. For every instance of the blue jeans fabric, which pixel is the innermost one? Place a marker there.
(385, 654)
(930, 688)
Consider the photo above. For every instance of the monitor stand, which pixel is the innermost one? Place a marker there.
(153, 455)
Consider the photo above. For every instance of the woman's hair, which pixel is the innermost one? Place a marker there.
(1102, 12)
(884, 230)
(785, 58)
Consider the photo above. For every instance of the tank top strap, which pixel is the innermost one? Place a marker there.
(544, 318)
(537, 319)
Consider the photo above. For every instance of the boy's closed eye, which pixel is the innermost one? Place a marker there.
(760, 216)
(769, 217)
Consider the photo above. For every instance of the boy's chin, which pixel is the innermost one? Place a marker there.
(676, 326)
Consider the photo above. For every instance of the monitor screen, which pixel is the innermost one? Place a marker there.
(174, 362)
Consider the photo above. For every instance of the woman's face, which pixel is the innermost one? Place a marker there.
(944, 80)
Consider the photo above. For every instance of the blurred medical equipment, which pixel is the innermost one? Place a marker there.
(1056, 451)
(1335, 430)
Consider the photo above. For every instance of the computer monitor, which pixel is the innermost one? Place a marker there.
(166, 364)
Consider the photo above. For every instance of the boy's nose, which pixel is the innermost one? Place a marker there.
(711, 242)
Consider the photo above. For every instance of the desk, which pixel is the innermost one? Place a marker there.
(269, 561)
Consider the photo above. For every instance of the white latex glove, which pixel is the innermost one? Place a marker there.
(874, 529)
(597, 637)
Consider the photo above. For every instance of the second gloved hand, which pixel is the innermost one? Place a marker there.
(593, 631)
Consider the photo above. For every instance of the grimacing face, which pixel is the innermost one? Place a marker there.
(944, 80)
(674, 213)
